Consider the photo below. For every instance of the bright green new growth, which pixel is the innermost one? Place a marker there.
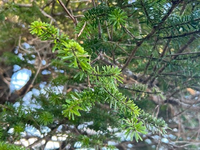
(102, 85)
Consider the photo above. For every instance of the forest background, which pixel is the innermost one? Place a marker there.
(101, 74)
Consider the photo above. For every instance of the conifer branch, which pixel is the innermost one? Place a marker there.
(174, 57)
(138, 44)
(181, 35)
(180, 24)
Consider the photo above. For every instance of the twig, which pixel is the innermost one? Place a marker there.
(82, 29)
(138, 44)
(109, 36)
(67, 11)
(129, 32)
(47, 15)
(99, 25)
(186, 53)
(42, 11)
(38, 70)
(19, 44)
(139, 90)
(174, 57)
(181, 35)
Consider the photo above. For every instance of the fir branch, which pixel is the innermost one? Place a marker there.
(145, 11)
(140, 91)
(153, 31)
(173, 58)
(180, 75)
(180, 24)
(102, 75)
(181, 35)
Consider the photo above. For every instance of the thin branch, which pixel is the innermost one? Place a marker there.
(185, 46)
(132, 54)
(181, 24)
(180, 75)
(38, 71)
(176, 102)
(150, 59)
(42, 11)
(186, 53)
(145, 11)
(138, 44)
(174, 57)
(160, 59)
(139, 90)
(67, 11)
(183, 8)
(82, 29)
(181, 35)
(165, 48)
(129, 32)
(99, 25)
(47, 15)
(108, 31)
(24, 5)
(177, 54)
(47, 4)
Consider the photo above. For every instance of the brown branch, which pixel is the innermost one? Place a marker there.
(180, 24)
(185, 46)
(46, 137)
(140, 91)
(183, 8)
(138, 44)
(183, 105)
(108, 31)
(128, 32)
(186, 53)
(159, 60)
(38, 71)
(181, 35)
(24, 5)
(174, 57)
(82, 29)
(41, 10)
(180, 75)
(165, 48)
(67, 11)
(133, 53)
(145, 11)
(47, 4)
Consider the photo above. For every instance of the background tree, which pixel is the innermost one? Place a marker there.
(155, 45)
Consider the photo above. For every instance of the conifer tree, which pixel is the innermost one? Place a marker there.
(101, 69)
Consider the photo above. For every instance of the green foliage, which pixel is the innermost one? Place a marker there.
(45, 118)
(44, 30)
(117, 18)
(152, 122)
(104, 80)
(12, 59)
(133, 128)
(18, 128)
(98, 15)
(185, 24)
(6, 146)
(127, 61)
